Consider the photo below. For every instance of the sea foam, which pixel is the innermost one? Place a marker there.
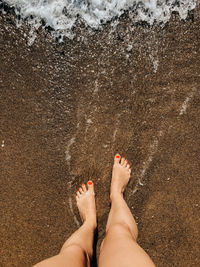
(61, 15)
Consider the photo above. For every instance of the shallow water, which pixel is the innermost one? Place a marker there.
(66, 109)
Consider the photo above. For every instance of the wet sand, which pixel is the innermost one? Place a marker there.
(66, 109)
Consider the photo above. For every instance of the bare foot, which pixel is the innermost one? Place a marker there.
(120, 175)
(86, 204)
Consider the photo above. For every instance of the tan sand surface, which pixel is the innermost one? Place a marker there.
(66, 109)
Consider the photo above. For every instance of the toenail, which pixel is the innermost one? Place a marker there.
(90, 182)
(83, 185)
(117, 156)
(79, 188)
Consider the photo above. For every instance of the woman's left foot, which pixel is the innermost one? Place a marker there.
(85, 199)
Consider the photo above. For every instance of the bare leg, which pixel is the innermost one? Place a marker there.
(77, 250)
(119, 248)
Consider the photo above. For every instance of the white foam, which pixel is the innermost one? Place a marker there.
(146, 164)
(87, 126)
(185, 104)
(114, 135)
(89, 121)
(67, 152)
(62, 15)
(153, 150)
(3, 143)
(155, 63)
(96, 87)
(72, 211)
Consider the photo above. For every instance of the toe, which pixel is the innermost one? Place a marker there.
(78, 194)
(77, 198)
(84, 188)
(80, 190)
(122, 161)
(90, 186)
(117, 158)
(128, 166)
(125, 163)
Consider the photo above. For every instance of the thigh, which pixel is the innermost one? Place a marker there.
(119, 249)
(72, 256)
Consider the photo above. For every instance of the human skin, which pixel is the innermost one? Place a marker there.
(121, 229)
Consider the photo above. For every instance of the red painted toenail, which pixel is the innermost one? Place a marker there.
(83, 185)
(79, 188)
(90, 182)
(117, 156)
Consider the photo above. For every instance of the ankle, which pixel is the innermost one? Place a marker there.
(91, 223)
(115, 194)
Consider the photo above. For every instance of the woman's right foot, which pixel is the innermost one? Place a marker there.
(120, 175)
(85, 199)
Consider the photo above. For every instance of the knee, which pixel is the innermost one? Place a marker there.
(118, 229)
(72, 248)
(74, 253)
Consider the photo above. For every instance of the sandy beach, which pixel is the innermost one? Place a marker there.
(66, 109)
